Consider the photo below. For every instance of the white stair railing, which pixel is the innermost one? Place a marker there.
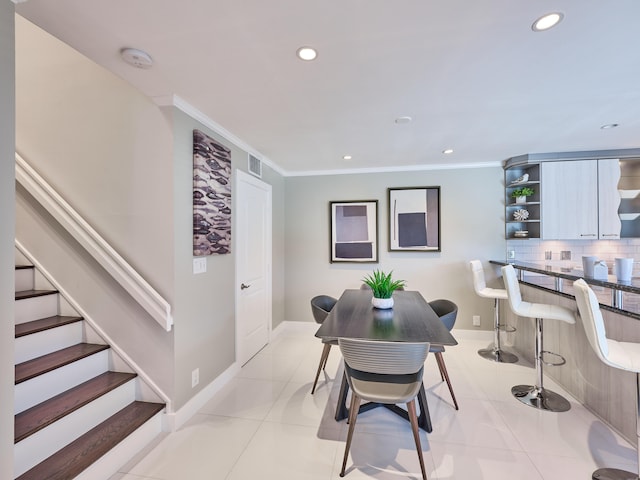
(98, 248)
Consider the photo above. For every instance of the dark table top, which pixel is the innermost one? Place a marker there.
(410, 320)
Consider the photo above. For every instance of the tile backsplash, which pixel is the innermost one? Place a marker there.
(554, 251)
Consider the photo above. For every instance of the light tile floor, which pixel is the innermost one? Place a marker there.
(264, 424)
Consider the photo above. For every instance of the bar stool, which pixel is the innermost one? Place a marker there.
(536, 395)
(622, 355)
(494, 353)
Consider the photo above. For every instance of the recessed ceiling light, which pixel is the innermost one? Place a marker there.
(306, 53)
(347, 157)
(609, 125)
(447, 151)
(547, 21)
(137, 58)
(403, 120)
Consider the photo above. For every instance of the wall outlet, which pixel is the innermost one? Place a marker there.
(565, 255)
(476, 320)
(511, 254)
(195, 377)
(199, 265)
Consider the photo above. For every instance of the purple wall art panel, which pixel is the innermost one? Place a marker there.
(211, 196)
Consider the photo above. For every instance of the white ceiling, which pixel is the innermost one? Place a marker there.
(472, 74)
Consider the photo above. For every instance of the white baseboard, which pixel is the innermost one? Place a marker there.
(173, 421)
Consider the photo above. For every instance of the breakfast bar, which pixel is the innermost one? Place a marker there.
(606, 391)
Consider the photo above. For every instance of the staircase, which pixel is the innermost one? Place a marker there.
(74, 417)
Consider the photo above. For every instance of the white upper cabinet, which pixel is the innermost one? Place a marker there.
(580, 200)
(609, 225)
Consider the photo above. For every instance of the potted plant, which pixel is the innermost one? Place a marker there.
(382, 286)
(521, 194)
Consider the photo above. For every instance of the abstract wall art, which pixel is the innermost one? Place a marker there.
(414, 219)
(211, 196)
(354, 231)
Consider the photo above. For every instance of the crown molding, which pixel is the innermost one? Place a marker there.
(193, 112)
(404, 168)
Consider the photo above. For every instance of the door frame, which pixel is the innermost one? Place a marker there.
(246, 178)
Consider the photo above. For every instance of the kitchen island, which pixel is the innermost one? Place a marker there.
(607, 392)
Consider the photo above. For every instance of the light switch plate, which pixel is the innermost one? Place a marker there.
(199, 265)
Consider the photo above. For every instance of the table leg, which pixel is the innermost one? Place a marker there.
(424, 419)
(342, 411)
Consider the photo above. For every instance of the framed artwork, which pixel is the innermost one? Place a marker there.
(354, 231)
(414, 219)
(211, 196)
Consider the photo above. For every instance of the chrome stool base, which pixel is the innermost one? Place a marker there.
(496, 355)
(541, 398)
(613, 474)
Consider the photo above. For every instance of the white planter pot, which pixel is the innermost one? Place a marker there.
(382, 303)
(521, 199)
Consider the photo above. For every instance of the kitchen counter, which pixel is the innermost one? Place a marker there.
(624, 297)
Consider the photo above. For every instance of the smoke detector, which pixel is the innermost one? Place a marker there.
(137, 58)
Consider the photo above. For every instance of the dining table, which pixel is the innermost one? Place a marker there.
(411, 319)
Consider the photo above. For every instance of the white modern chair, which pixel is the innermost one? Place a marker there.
(495, 352)
(387, 373)
(536, 395)
(622, 355)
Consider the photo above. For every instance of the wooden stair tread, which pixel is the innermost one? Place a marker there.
(71, 460)
(46, 363)
(33, 293)
(42, 324)
(47, 412)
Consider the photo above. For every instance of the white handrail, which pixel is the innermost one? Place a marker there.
(97, 247)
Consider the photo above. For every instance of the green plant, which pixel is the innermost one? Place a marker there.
(382, 284)
(522, 192)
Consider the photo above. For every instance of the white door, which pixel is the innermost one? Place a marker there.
(253, 265)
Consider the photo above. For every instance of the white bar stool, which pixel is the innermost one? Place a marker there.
(622, 355)
(536, 395)
(494, 353)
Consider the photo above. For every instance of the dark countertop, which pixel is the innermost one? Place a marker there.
(572, 274)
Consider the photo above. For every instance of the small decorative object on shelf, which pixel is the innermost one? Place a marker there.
(521, 233)
(521, 194)
(522, 179)
(521, 215)
(383, 287)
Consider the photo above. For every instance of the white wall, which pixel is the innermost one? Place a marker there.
(472, 226)
(102, 143)
(7, 216)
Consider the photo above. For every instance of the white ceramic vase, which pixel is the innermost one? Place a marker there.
(382, 303)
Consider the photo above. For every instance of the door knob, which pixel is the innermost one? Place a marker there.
(243, 286)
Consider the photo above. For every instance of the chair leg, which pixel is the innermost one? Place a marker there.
(323, 362)
(411, 409)
(445, 374)
(353, 414)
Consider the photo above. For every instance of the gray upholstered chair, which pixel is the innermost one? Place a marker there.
(494, 353)
(536, 395)
(448, 312)
(321, 305)
(621, 355)
(387, 373)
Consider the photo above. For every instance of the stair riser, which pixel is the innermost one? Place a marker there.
(38, 389)
(24, 279)
(47, 341)
(34, 308)
(35, 448)
(125, 451)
